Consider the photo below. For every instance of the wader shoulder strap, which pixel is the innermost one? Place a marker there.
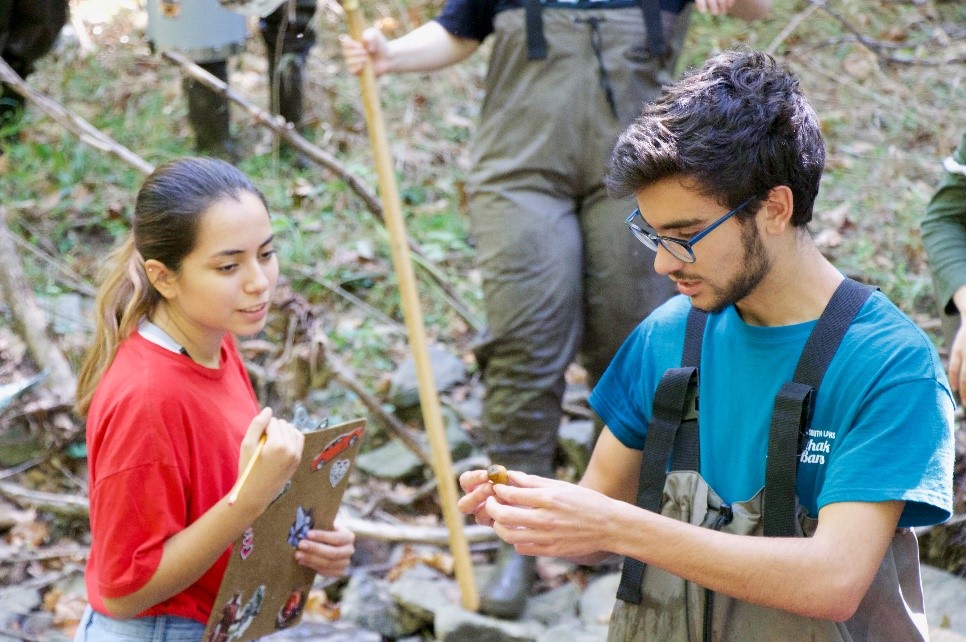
(536, 41)
(795, 402)
(655, 28)
(673, 429)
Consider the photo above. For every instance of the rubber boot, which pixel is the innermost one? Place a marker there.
(11, 110)
(289, 36)
(209, 115)
(506, 594)
(286, 80)
(285, 91)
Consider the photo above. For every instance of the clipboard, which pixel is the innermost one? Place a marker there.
(264, 590)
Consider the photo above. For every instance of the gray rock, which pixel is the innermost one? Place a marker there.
(41, 623)
(339, 631)
(945, 597)
(68, 313)
(390, 461)
(447, 368)
(14, 599)
(458, 625)
(424, 592)
(472, 407)
(368, 603)
(461, 445)
(575, 631)
(396, 462)
(597, 602)
(576, 439)
(551, 607)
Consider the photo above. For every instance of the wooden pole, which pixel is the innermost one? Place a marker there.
(402, 262)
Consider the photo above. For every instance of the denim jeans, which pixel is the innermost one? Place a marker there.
(95, 627)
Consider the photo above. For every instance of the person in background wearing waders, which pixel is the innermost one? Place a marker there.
(752, 497)
(208, 33)
(561, 277)
(28, 30)
(944, 236)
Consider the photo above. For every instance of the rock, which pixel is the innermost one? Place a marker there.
(396, 462)
(575, 631)
(14, 599)
(945, 597)
(550, 607)
(597, 602)
(576, 440)
(472, 406)
(447, 368)
(68, 313)
(340, 631)
(424, 592)
(461, 444)
(18, 445)
(391, 461)
(368, 603)
(458, 625)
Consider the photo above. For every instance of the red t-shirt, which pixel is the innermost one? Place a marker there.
(163, 437)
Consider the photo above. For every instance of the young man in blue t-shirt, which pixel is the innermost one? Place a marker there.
(564, 79)
(725, 166)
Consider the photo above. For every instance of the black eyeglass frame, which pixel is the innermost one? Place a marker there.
(652, 239)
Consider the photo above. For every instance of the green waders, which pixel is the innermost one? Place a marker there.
(654, 605)
(561, 275)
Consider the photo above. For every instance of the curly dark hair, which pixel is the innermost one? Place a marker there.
(736, 127)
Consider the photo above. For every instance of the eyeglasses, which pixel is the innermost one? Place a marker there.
(678, 248)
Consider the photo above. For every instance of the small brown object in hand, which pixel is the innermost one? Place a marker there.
(497, 474)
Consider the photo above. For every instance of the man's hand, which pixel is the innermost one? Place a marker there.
(478, 488)
(548, 517)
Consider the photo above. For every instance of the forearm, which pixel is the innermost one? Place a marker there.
(427, 48)
(187, 556)
(821, 576)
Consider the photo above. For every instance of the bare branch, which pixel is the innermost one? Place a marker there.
(880, 48)
(57, 503)
(71, 121)
(30, 319)
(437, 535)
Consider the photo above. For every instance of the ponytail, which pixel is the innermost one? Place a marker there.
(125, 297)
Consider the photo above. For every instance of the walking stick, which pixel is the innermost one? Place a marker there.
(428, 399)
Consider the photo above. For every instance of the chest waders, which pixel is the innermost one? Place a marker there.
(654, 605)
(654, 54)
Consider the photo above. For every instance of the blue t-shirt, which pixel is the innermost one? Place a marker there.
(474, 18)
(883, 422)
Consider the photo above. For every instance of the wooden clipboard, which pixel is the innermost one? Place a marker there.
(264, 590)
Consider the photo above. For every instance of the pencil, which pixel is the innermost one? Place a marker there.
(233, 496)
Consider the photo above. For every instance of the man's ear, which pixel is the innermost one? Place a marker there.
(778, 207)
(160, 277)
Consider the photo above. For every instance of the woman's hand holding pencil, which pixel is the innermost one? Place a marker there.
(270, 453)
